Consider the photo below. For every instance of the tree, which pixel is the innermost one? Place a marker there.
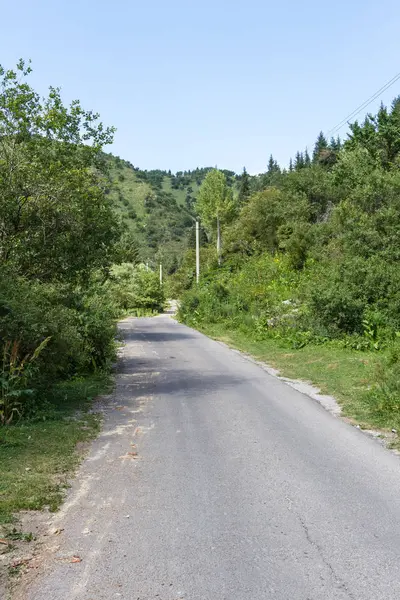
(273, 166)
(307, 159)
(244, 190)
(56, 221)
(258, 224)
(380, 135)
(335, 144)
(299, 161)
(191, 237)
(320, 145)
(290, 165)
(127, 249)
(215, 204)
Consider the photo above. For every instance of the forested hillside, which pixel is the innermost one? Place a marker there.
(158, 207)
(310, 254)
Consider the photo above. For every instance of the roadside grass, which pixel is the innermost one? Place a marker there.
(346, 374)
(37, 455)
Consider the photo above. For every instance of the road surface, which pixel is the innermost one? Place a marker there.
(213, 480)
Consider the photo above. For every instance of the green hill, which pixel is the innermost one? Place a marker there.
(158, 207)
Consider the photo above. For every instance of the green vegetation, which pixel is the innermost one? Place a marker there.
(310, 268)
(307, 276)
(68, 270)
(158, 208)
(136, 288)
(38, 454)
(215, 204)
(156, 214)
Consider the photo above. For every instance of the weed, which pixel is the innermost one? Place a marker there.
(20, 536)
(15, 376)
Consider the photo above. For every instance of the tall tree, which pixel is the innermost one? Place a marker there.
(56, 222)
(307, 159)
(290, 165)
(334, 144)
(299, 161)
(320, 145)
(215, 204)
(273, 166)
(244, 190)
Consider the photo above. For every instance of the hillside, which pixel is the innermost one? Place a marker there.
(158, 208)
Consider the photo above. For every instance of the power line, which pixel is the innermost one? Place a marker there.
(364, 105)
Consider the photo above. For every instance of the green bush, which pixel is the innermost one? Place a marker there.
(146, 290)
(337, 307)
(133, 287)
(383, 398)
(78, 327)
(98, 329)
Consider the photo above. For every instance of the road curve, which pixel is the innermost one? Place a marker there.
(241, 489)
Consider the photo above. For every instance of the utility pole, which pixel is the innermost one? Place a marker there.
(219, 241)
(160, 273)
(197, 251)
(197, 243)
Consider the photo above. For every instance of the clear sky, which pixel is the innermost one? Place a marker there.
(215, 82)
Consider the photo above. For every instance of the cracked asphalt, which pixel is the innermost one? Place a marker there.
(214, 480)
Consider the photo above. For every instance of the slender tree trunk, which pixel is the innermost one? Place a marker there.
(219, 241)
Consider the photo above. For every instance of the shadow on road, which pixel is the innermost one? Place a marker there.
(143, 333)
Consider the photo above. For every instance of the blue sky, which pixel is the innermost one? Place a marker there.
(219, 82)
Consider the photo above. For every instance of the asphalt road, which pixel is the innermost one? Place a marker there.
(242, 488)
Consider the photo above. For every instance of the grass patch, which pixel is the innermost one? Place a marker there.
(37, 455)
(346, 374)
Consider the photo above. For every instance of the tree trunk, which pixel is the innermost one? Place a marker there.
(219, 241)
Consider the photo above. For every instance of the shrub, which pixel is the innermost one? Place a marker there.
(15, 378)
(337, 307)
(74, 330)
(135, 287)
(383, 398)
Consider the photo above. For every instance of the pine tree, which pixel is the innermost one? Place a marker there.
(299, 161)
(273, 166)
(271, 163)
(244, 190)
(320, 145)
(290, 165)
(307, 159)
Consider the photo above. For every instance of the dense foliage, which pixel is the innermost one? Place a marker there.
(60, 238)
(313, 254)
